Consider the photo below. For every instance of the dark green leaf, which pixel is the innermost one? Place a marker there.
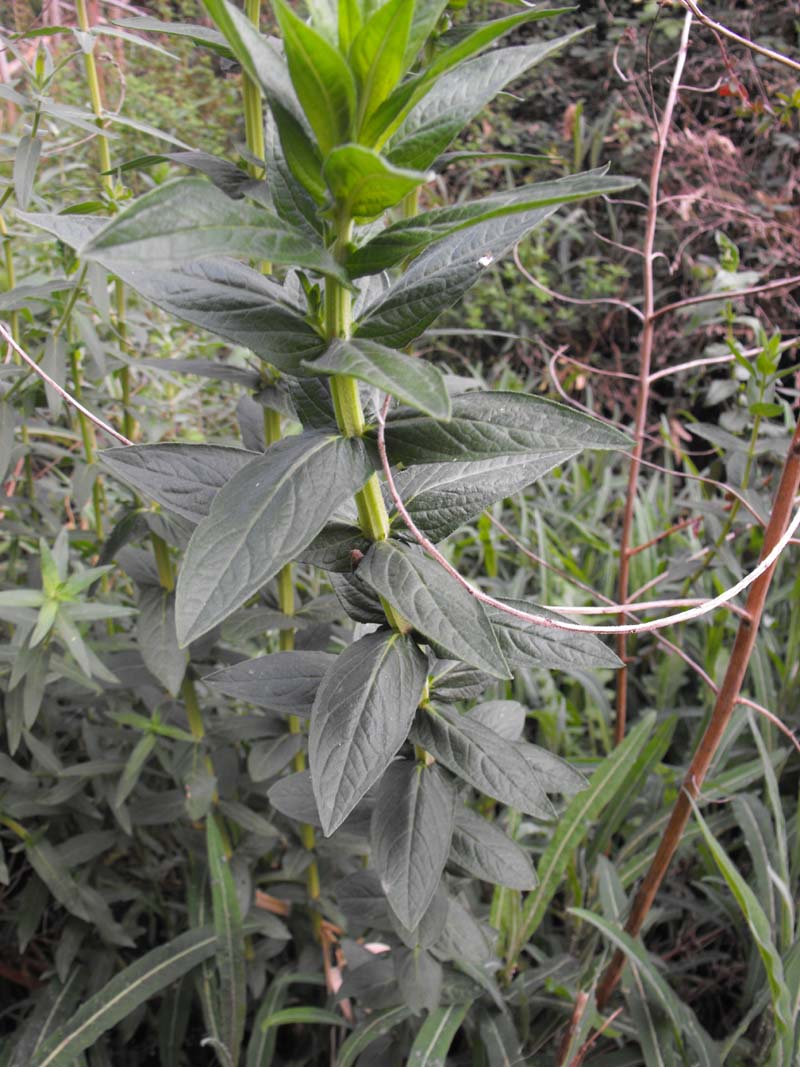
(488, 425)
(332, 548)
(303, 1015)
(321, 78)
(361, 716)
(123, 995)
(134, 767)
(478, 756)
(260, 520)
(419, 976)
(183, 478)
(440, 276)
(362, 899)
(407, 237)
(552, 773)
(433, 602)
(525, 644)
(230, 944)
(483, 850)
(408, 378)
(505, 717)
(363, 181)
(412, 824)
(284, 681)
(302, 156)
(157, 641)
(266, 759)
(458, 96)
(188, 219)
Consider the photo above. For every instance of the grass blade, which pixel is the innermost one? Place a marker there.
(123, 994)
(434, 1039)
(230, 944)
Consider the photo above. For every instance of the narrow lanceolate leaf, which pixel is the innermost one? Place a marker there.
(157, 640)
(441, 275)
(478, 756)
(182, 478)
(260, 520)
(488, 425)
(483, 850)
(377, 54)
(408, 378)
(256, 54)
(321, 78)
(458, 96)
(434, 1039)
(284, 681)
(433, 602)
(361, 716)
(261, 1048)
(189, 219)
(525, 644)
(575, 824)
(411, 829)
(408, 237)
(378, 1024)
(758, 925)
(553, 773)
(121, 996)
(230, 944)
(365, 183)
(684, 1021)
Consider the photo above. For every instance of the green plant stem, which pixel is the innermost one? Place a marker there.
(96, 98)
(88, 439)
(124, 373)
(11, 276)
(372, 514)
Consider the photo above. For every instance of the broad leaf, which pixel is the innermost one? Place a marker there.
(478, 756)
(488, 425)
(505, 717)
(284, 681)
(407, 237)
(219, 295)
(575, 824)
(483, 850)
(366, 184)
(157, 640)
(260, 520)
(230, 944)
(189, 219)
(525, 644)
(182, 478)
(321, 77)
(553, 774)
(433, 602)
(412, 824)
(377, 54)
(361, 716)
(441, 275)
(458, 96)
(120, 997)
(441, 497)
(408, 378)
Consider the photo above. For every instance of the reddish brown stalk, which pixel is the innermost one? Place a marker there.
(645, 363)
(723, 709)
